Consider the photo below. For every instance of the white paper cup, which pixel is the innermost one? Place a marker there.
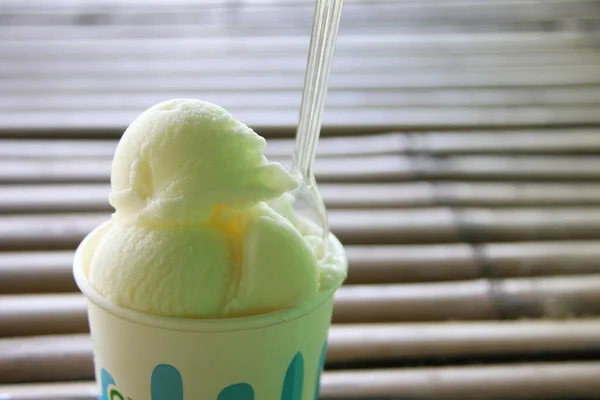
(145, 357)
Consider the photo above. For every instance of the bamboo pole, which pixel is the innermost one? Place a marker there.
(93, 197)
(69, 357)
(258, 13)
(42, 314)
(365, 169)
(469, 300)
(36, 272)
(558, 141)
(65, 231)
(51, 271)
(504, 260)
(531, 381)
(359, 226)
(111, 123)
(493, 382)
(461, 300)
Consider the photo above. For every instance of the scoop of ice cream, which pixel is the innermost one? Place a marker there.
(192, 235)
(182, 157)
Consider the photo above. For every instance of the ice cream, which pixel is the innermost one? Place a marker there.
(203, 226)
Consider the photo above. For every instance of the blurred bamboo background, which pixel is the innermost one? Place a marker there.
(459, 163)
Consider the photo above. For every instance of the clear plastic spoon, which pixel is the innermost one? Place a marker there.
(326, 22)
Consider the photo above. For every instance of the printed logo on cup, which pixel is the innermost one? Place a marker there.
(166, 383)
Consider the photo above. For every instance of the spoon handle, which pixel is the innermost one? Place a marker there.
(322, 44)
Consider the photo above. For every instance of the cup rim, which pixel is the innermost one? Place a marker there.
(190, 324)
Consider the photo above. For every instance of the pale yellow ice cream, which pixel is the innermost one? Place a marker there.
(192, 235)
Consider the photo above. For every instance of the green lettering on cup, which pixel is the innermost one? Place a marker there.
(114, 394)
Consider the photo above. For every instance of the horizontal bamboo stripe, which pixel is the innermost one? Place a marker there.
(377, 226)
(524, 77)
(84, 26)
(509, 298)
(553, 297)
(437, 224)
(94, 197)
(280, 63)
(340, 169)
(69, 357)
(288, 100)
(46, 272)
(556, 141)
(154, 6)
(36, 272)
(495, 382)
(112, 122)
(345, 169)
(531, 381)
(273, 28)
(52, 313)
(365, 43)
(253, 14)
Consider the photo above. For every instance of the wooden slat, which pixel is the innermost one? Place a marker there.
(69, 357)
(440, 262)
(266, 12)
(475, 225)
(288, 100)
(514, 298)
(113, 122)
(560, 142)
(531, 381)
(379, 144)
(466, 194)
(54, 198)
(65, 313)
(150, 5)
(345, 169)
(51, 313)
(426, 225)
(16, 28)
(39, 272)
(19, 31)
(57, 148)
(503, 260)
(58, 170)
(45, 231)
(507, 167)
(51, 391)
(503, 142)
(524, 77)
(463, 300)
(46, 358)
(409, 341)
(556, 297)
(94, 170)
(94, 197)
(369, 43)
(468, 300)
(481, 225)
(43, 272)
(536, 194)
(289, 63)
